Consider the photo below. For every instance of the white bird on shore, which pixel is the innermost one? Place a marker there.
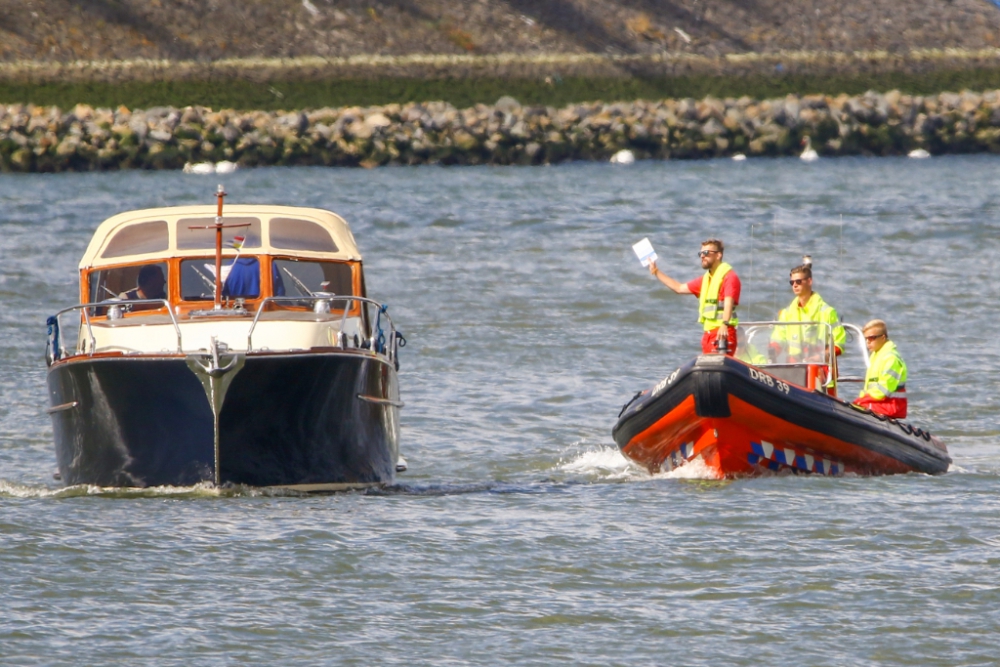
(739, 157)
(918, 153)
(809, 154)
(624, 156)
(199, 168)
(224, 167)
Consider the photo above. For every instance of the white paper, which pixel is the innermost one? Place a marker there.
(225, 270)
(644, 251)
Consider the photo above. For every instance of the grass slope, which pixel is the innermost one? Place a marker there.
(465, 92)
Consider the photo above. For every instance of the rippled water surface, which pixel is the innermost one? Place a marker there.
(519, 535)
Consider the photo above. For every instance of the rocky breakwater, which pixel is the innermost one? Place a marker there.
(45, 139)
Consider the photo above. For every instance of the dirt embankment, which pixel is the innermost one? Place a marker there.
(204, 30)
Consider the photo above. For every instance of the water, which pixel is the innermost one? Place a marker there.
(519, 535)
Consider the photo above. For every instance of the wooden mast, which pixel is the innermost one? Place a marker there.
(218, 227)
(220, 193)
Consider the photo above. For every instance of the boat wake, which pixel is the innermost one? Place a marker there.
(604, 463)
(696, 468)
(607, 464)
(206, 490)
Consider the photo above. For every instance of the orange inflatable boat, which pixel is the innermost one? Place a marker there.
(773, 408)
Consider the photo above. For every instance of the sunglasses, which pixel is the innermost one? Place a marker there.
(706, 253)
(796, 281)
(871, 338)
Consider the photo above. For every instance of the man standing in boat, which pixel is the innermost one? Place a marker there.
(885, 382)
(718, 293)
(804, 343)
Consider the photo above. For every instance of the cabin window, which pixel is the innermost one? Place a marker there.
(294, 234)
(204, 239)
(139, 281)
(138, 239)
(198, 279)
(300, 277)
(242, 279)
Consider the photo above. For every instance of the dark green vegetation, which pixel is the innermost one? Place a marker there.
(466, 92)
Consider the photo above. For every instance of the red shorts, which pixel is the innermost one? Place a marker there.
(890, 407)
(709, 344)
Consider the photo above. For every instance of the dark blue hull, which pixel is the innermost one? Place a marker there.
(317, 419)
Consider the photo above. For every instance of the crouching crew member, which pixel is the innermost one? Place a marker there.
(885, 381)
(718, 293)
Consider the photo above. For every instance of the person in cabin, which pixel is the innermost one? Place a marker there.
(718, 293)
(243, 280)
(806, 343)
(149, 284)
(885, 382)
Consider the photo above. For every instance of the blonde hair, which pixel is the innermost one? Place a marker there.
(876, 324)
(804, 269)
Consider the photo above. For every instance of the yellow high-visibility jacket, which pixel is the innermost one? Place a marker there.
(815, 310)
(710, 309)
(886, 376)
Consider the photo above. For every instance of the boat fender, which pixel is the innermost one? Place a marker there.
(52, 344)
(378, 344)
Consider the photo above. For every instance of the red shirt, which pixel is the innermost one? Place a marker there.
(730, 287)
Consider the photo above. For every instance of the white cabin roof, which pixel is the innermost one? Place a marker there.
(160, 233)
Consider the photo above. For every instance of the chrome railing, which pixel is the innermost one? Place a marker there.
(115, 309)
(378, 333)
(376, 321)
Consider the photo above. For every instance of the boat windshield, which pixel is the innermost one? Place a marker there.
(306, 278)
(783, 343)
(789, 349)
(137, 281)
(241, 278)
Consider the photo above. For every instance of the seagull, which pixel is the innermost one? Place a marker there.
(918, 153)
(224, 167)
(199, 168)
(809, 154)
(624, 156)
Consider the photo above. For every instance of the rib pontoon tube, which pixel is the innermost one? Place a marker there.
(740, 420)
